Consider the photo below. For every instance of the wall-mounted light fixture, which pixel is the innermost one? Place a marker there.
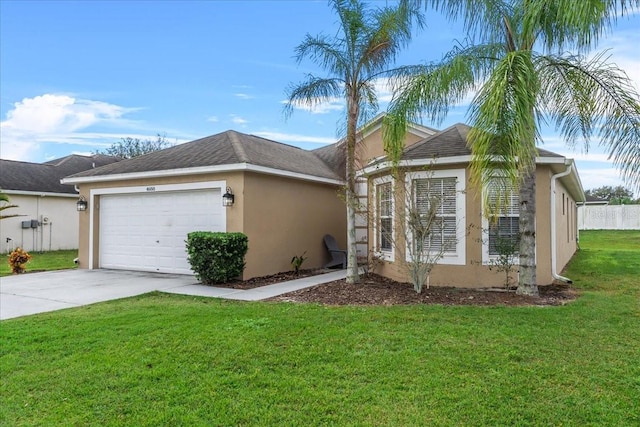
(82, 204)
(228, 198)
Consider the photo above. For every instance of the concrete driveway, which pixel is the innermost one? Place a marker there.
(25, 294)
(32, 293)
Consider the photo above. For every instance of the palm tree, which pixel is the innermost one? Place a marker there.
(515, 61)
(5, 199)
(362, 51)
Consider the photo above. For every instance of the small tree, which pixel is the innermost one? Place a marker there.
(421, 226)
(296, 262)
(425, 235)
(128, 147)
(506, 258)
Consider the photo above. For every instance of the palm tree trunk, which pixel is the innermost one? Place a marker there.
(527, 283)
(351, 198)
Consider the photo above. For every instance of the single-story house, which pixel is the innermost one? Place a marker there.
(286, 199)
(49, 218)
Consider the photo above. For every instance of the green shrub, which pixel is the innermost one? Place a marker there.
(216, 257)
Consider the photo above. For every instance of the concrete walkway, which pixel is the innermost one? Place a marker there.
(32, 293)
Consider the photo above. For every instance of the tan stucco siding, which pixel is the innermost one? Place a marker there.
(58, 231)
(543, 225)
(566, 226)
(234, 180)
(474, 273)
(372, 147)
(284, 217)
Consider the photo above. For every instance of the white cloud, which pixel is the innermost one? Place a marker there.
(59, 119)
(623, 50)
(244, 96)
(213, 119)
(295, 138)
(597, 177)
(238, 120)
(383, 90)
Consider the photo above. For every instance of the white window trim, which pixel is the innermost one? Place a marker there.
(488, 259)
(384, 254)
(459, 257)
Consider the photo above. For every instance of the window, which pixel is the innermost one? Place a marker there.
(504, 231)
(384, 229)
(435, 202)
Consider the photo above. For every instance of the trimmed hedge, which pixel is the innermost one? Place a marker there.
(216, 257)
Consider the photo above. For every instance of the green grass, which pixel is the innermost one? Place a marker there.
(175, 360)
(45, 261)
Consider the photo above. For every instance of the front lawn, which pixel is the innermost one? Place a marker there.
(176, 360)
(45, 261)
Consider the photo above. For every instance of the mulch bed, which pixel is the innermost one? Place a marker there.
(257, 282)
(378, 290)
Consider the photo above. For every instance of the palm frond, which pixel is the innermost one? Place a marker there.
(324, 52)
(589, 98)
(575, 25)
(503, 135)
(312, 92)
(433, 89)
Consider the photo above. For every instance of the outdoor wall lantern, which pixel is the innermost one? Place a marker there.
(82, 204)
(228, 198)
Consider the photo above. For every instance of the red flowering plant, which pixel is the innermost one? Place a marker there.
(18, 259)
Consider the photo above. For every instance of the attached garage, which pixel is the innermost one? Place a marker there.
(146, 231)
(139, 211)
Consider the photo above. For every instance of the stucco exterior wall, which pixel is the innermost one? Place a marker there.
(474, 273)
(285, 217)
(566, 226)
(281, 216)
(372, 147)
(59, 232)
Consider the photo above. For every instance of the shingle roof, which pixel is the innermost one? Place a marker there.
(225, 148)
(450, 142)
(45, 177)
(333, 156)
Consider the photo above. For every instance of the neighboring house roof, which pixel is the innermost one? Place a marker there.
(228, 150)
(593, 200)
(30, 177)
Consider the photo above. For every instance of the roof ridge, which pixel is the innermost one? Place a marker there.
(237, 146)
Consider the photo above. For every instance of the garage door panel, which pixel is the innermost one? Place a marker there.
(147, 231)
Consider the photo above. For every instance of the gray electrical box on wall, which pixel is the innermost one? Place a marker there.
(26, 224)
(34, 223)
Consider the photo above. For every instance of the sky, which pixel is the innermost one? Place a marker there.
(77, 76)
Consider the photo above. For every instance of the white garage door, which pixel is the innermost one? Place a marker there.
(147, 231)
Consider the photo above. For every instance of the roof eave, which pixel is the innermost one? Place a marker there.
(235, 167)
(39, 193)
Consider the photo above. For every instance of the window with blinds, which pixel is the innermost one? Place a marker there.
(504, 231)
(384, 229)
(435, 204)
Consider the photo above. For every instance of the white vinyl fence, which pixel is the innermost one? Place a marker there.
(618, 217)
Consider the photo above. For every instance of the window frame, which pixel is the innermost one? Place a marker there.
(386, 254)
(514, 199)
(457, 256)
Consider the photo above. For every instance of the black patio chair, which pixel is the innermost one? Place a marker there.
(338, 256)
